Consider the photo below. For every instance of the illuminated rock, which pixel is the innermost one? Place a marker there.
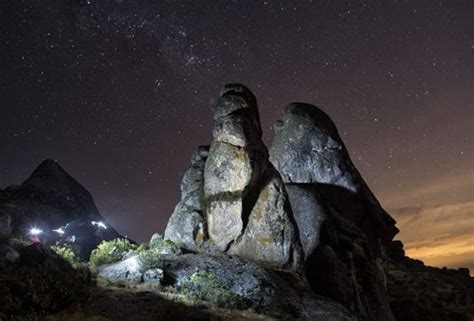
(238, 204)
(341, 225)
(237, 159)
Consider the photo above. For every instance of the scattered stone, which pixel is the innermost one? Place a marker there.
(153, 277)
(124, 272)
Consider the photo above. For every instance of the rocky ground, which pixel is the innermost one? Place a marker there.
(119, 304)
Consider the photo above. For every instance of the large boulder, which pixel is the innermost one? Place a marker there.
(130, 270)
(236, 162)
(307, 149)
(270, 235)
(341, 225)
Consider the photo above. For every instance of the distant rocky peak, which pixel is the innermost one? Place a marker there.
(50, 177)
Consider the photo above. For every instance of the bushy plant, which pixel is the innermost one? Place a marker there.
(111, 251)
(164, 246)
(203, 286)
(66, 253)
(150, 257)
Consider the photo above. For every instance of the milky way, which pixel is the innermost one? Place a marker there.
(119, 92)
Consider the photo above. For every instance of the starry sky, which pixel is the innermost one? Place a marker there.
(119, 92)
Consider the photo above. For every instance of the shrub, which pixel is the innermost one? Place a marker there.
(150, 257)
(164, 246)
(203, 286)
(66, 253)
(111, 251)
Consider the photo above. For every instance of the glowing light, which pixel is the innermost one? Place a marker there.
(35, 231)
(60, 231)
(99, 224)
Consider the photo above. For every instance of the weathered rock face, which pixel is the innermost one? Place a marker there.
(310, 212)
(186, 224)
(233, 201)
(50, 198)
(307, 149)
(236, 162)
(270, 235)
(341, 225)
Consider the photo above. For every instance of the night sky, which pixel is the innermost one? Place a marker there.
(119, 92)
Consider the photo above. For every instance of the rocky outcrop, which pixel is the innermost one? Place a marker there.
(233, 201)
(305, 207)
(237, 283)
(49, 199)
(307, 149)
(342, 227)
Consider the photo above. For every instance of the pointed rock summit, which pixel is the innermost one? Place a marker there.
(302, 206)
(342, 227)
(50, 199)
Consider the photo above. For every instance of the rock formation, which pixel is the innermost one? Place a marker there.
(49, 199)
(342, 226)
(238, 205)
(305, 207)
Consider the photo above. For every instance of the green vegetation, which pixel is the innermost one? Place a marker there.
(111, 251)
(164, 246)
(66, 253)
(150, 257)
(203, 286)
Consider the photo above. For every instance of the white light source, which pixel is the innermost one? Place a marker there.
(99, 224)
(35, 231)
(60, 231)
